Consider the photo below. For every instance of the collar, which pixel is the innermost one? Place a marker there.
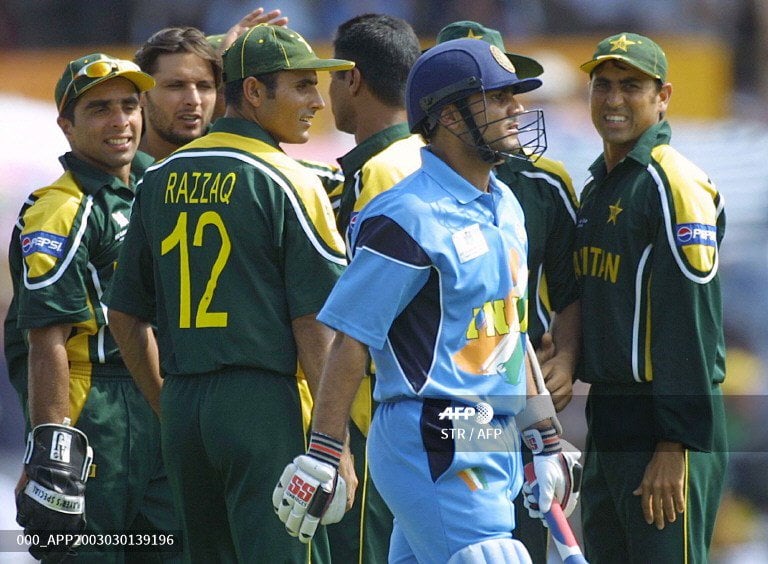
(658, 134)
(244, 128)
(92, 179)
(451, 181)
(357, 157)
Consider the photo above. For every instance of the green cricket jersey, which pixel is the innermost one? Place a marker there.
(373, 166)
(228, 211)
(62, 255)
(545, 192)
(646, 257)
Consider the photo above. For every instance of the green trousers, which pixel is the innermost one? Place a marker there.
(614, 527)
(227, 436)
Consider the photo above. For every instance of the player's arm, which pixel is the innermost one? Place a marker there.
(559, 369)
(555, 461)
(48, 374)
(50, 496)
(138, 347)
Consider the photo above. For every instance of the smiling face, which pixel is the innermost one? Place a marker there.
(624, 103)
(179, 108)
(288, 113)
(106, 127)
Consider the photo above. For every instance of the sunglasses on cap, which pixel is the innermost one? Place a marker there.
(97, 69)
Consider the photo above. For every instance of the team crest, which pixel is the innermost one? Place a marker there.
(502, 59)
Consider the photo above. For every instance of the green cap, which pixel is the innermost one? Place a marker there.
(269, 48)
(215, 40)
(635, 50)
(525, 67)
(86, 72)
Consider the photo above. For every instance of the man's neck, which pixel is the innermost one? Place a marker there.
(376, 118)
(155, 146)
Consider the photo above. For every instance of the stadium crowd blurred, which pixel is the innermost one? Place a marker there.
(733, 147)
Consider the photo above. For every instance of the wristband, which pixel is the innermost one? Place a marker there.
(325, 448)
(545, 441)
(538, 408)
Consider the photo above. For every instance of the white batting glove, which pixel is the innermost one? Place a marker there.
(558, 477)
(310, 491)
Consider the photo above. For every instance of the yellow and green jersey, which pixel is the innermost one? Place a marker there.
(374, 166)
(646, 256)
(230, 240)
(545, 192)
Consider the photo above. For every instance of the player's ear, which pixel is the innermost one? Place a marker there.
(354, 80)
(66, 125)
(254, 91)
(449, 116)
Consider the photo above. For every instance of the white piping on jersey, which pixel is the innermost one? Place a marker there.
(542, 315)
(389, 258)
(72, 251)
(348, 230)
(99, 292)
(636, 320)
(279, 181)
(671, 236)
(563, 193)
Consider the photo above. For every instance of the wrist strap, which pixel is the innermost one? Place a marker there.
(545, 441)
(325, 448)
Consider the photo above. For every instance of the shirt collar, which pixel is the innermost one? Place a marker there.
(658, 134)
(451, 181)
(244, 128)
(357, 157)
(92, 179)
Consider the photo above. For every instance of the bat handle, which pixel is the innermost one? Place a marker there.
(565, 541)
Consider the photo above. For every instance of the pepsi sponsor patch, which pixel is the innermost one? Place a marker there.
(43, 242)
(695, 234)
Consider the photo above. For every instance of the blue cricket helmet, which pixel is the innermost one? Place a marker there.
(453, 70)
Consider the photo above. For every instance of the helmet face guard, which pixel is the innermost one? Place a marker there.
(449, 73)
(531, 133)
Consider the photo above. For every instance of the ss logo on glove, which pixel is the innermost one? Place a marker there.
(301, 489)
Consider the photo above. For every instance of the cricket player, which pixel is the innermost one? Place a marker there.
(232, 248)
(648, 236)
(81, 397)
(368, 101)
(436, 291)
(545, 192)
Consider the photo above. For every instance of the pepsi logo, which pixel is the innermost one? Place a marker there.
(26, 244)
(684, 234)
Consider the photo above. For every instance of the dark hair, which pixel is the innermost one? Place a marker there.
(177, 40)
(384, 49)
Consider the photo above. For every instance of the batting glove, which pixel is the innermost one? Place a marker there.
(560, 475)
(57, 461)
(310, 491)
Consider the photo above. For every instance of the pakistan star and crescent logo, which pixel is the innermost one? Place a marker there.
(614, 211)
(471, 35)
(622, 43)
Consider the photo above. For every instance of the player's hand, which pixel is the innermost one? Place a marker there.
(56, 462)
(560, 475)
(558, 378)
(546, 349)
(256, 17)
(661, 490)
(347, 472)
(310, 492)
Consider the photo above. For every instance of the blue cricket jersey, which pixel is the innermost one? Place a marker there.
(437, 290)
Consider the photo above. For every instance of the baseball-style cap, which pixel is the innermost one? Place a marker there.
(215, 40)
(268, 48)
(86, 72)
(525, 67)
(635, 50)
(453, 70)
